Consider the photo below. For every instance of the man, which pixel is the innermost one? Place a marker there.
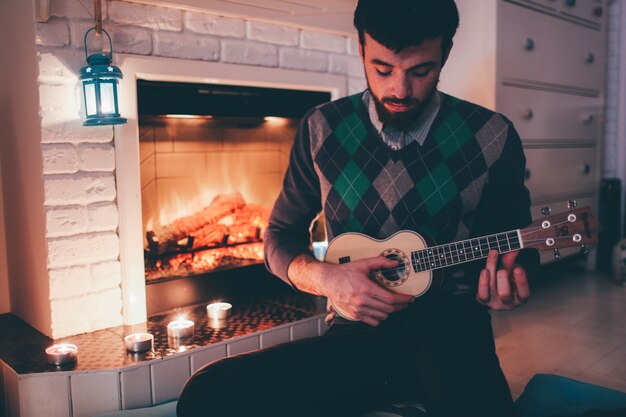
(400, 155)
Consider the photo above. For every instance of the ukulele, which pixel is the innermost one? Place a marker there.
(417, 261)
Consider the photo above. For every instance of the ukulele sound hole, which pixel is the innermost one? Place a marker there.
(395, 273)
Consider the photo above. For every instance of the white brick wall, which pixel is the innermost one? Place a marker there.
(323, 42)
(272, 34)
(249, 53)
(186, 46)
(54, 33)
(215, 25)
(159, 18)
(79, 162)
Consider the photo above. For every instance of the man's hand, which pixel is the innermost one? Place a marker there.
(349, 286)
(352, 290)
(502, 289)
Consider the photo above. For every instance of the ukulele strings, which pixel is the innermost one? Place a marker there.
(527, 242)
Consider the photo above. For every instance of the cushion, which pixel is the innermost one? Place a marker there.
(553, 395)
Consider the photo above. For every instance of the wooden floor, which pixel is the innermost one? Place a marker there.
(574, 325)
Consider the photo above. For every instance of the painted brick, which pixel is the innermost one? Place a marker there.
(356, 85)
(294, 58)
(59, 159)
(214, 25)
(69, 282)
(159, 18)
(186, 46)
(81, 249)
(345, 65)
(86, 313)
(66, 221)
(322, 42)
(250, 53)
(57, 129)
(102, 217)
(74, 9)
(53, 33)
(279, 35)
(96, 157)
(79, 189)
(352, 46)
(62, 66)
(59, 100)
(84, 279)
(106, 274)
(126, 39)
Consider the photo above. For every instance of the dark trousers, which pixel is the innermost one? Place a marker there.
(439, 351)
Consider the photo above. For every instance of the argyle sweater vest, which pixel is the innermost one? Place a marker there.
(471, 158)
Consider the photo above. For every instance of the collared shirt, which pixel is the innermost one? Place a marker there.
(398, 138)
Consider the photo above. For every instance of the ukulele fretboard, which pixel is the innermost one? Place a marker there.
(464, 251)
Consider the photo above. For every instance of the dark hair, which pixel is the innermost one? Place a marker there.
(398, 24)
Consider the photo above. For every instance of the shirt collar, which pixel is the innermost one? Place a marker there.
(417, 131)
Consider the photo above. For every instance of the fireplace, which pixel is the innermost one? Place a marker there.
(197, 155)
(212, 158)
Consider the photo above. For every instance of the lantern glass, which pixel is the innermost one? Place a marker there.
(91, 107)
(107, 96)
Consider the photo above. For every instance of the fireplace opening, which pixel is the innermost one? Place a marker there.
(212, 160)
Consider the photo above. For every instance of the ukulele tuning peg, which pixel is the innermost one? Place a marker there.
(546, 211)
(584, 250)
(572, 204)
(557, 254)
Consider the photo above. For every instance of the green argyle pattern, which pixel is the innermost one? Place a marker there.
(432, 188)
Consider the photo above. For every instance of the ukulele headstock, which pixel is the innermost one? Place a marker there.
(576, 227)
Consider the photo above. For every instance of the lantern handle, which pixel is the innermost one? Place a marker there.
(110, 43)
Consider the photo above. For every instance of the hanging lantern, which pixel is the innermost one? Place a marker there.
(100, 80)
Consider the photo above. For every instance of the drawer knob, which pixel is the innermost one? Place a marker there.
(590, 59)
(529, 44)
(598, 11)
(528, 114)
(570, 3)
(527, 174)
(587, 119)
(586, 169)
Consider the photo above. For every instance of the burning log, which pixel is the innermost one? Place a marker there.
(166, 238)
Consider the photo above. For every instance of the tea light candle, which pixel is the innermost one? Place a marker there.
(139, 342)
(180, 328)
(218, 311)
(62, 354)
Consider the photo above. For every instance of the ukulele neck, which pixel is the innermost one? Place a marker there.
(450, 254)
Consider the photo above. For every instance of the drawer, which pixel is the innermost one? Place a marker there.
(547, 116)
(557, 207)
(588, 11)
(546, 50)
(556, 172)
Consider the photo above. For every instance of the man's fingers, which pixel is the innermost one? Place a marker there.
(378, 262)
(483, 287)
(521, 283)
(508, 260)
(504, 286)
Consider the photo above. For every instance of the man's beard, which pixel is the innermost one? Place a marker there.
(401, 120)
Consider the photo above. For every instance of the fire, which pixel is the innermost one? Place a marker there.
(226, 233)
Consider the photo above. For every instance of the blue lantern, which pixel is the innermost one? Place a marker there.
(100, 80)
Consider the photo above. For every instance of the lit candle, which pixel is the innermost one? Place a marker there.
(139, 342)
(218, 311)
(62, 354)
(180, 329)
